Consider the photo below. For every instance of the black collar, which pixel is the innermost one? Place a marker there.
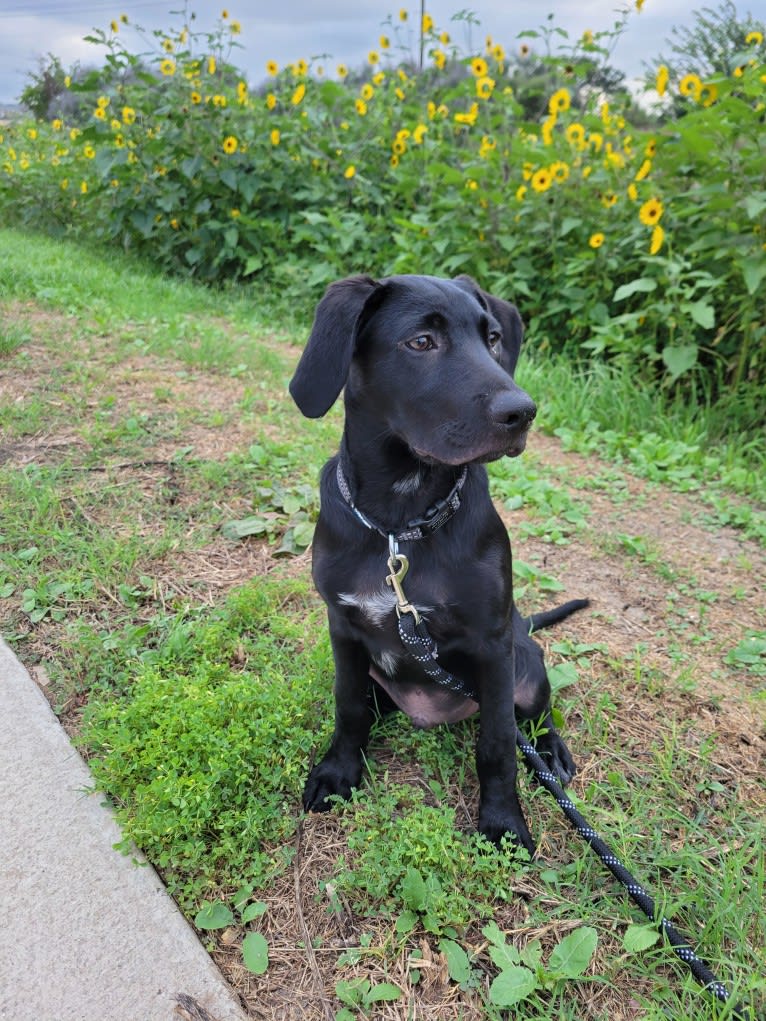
(437, 514)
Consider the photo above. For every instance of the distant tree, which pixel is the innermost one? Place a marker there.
(46, 85)
(711, 45)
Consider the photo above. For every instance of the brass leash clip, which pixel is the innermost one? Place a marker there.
(398, 565)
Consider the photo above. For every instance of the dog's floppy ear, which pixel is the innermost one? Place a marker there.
(506, 314)
(324, 364)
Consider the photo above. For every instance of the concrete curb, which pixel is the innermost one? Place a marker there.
(87, 934)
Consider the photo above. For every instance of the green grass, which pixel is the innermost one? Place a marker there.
(201, 720)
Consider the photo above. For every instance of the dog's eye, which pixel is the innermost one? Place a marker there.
(423, 343)
(494, 342)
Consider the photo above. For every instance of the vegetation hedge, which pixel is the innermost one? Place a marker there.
(634, 236)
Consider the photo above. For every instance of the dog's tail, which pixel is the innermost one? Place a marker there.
(536, 621)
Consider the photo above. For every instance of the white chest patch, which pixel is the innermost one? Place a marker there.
(376, 606)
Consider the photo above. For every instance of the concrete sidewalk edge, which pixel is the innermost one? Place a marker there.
(90, 936)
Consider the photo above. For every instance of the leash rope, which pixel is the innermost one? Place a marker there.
(421, 646)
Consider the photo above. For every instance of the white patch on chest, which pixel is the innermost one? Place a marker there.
(387, 662)
(375, 606)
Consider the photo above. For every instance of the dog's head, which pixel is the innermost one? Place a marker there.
(430, 360)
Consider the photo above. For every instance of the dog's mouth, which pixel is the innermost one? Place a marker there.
(475, 455)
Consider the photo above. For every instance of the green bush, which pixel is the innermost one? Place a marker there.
(205, 751)
(634, 238)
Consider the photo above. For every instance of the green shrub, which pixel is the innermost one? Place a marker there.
(206, 751)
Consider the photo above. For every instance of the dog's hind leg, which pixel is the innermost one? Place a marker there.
(532, 699)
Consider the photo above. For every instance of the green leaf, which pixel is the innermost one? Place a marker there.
(254, 910)
(755, 204)
(458, 963)
(245, 527)
(753, 270)
(383, 992)
(503, 954)
(562, 675)
(572, 955)
(512, 985)
(679, 359)
(229, 178)
(255, 953)
(414, 891)
(642, 284)
(406, 922)
(7, 590)
(702, 313)
(569, 224)
(639, 937)
(213, 915)
(352, 993)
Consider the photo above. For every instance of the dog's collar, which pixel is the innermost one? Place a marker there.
(438, 514)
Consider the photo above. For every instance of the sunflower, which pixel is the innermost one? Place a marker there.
(658, 236)
(367, 92)
(650, 212)
(479, 67)
(349, 172)
(690, 85)
(608, 199)
(274, 137)
(560, 101)
(361, 107)
(542, 179)
(662, 80)
(168, 67)
(596, 240)
(575, 135)
(230, 144)
(643, 170)
(560, 171)
(484, 87)
(272, 67)
(298, 95)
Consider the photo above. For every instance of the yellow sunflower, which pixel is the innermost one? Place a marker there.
(560, 101)
(650, 212)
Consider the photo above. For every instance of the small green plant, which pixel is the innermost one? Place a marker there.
(287, 512)
(522, 972)
(217, 915)
(360, 997)
(750, 654)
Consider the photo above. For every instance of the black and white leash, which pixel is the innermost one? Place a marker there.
(415, 636)
(421, 647)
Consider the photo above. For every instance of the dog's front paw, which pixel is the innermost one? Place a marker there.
(495, 825)
(330, 778)
(557, 756)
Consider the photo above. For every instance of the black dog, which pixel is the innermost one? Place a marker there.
(427, 366)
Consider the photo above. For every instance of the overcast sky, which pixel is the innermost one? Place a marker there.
(286, 30)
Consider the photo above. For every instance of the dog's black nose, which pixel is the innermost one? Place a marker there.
(512, 408)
